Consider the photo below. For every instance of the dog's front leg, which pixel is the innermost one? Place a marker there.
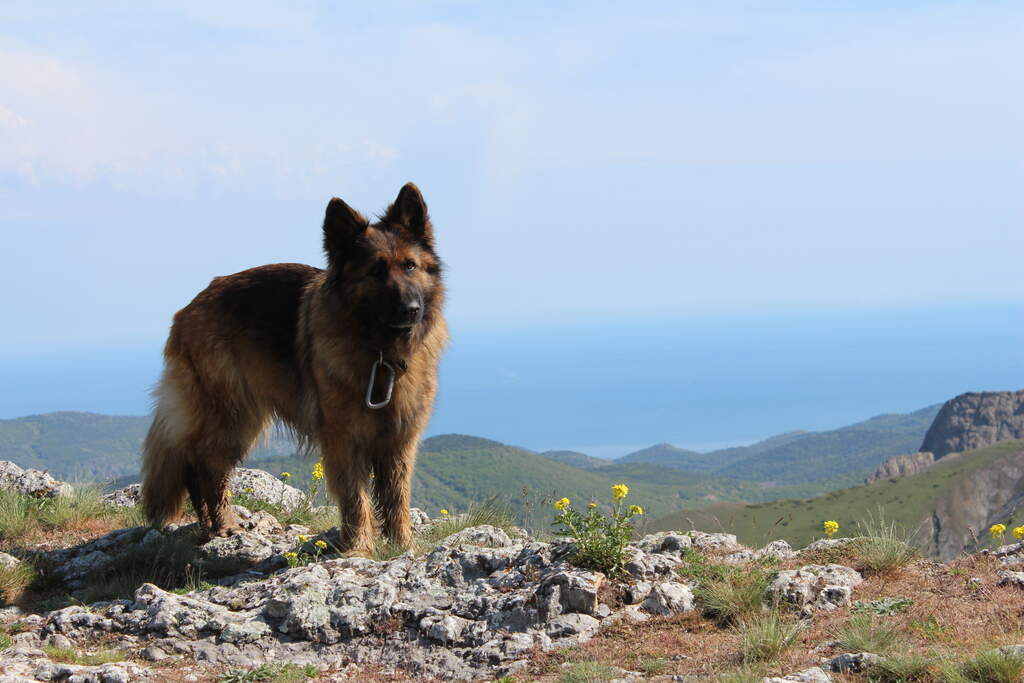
(392, 484)
(347, 472)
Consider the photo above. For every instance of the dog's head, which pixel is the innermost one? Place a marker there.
(387, 272)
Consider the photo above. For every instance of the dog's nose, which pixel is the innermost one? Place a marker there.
(412, 309)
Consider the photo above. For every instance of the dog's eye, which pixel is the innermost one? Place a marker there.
(409, 266)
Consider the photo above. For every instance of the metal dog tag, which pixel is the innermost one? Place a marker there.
(373, 379)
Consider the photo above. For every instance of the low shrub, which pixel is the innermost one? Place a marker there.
(600, 539)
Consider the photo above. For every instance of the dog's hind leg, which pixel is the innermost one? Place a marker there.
(196, 496)
(214, 462)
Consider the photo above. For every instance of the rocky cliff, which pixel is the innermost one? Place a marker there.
(976, 420)
(901, 466)
(961, 516)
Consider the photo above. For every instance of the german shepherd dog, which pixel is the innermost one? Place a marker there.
(346, 358)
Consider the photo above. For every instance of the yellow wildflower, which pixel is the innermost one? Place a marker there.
(591, 506)
(619, 491)
(228, 494)
(322, 545)
(291, 556)
(249, 490)
(303, 538)
(1018, 532)
(562, 504)
(636, 510)
(997, 530)
(318, 470)
(444, 511)
(830, 527)
(286, 475)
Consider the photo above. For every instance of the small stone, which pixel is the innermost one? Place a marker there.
(572, 625)
(153, 654)
(812, 675)
(705, 541)
(59, 641)
(1007, 578)
(667, 598)
(852, 662)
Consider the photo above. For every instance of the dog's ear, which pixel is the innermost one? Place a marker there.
(410, 211)
(342, 225)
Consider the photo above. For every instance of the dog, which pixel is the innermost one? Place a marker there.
(345, 357)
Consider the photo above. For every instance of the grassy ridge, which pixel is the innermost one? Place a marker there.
(906, 501)
(455, 479)
(846, 454)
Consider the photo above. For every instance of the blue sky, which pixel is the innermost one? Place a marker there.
(588, 166)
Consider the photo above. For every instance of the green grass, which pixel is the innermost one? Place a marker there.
(906, 502)
(5, 641)
(725, 593)
(16, 517)
(493, 512)
(865, 632)
(908, 668)
(887, 606)
(14, 580)
(67, 655)
(994, 666)
(168, 563)
(316, 520)
(751, 672)
(588, 672)
(883, 546)
(765, 637)
(652, 666)
(22, 515)
(271, 673)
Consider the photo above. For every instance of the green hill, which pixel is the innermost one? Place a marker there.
(485, 470)
(73, 445)
(672, 456)
(843, 455)
(910, 501)
(576, 459)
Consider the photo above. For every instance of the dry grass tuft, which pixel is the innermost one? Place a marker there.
(765, 638)
(14, 581)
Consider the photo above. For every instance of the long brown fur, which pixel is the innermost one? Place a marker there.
(295, 343)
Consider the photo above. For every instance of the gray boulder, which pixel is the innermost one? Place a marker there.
(814, 587)
(35, 483)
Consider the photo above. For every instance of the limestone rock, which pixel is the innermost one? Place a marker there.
(902, 466)
(812, 675)
(253, 483)
(265, 487)
(850, 662)
(815, 587)
(722, 542)
(124, 498)
(35, 483)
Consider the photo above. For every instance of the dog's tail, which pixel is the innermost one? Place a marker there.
(165, 453)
